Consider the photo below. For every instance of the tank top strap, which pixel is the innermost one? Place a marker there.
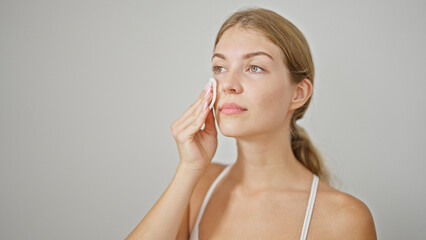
(310, 207)
(194, 234)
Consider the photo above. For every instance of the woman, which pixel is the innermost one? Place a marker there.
(278, 188)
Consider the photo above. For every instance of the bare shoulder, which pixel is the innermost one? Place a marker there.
(347, 216)
(201, 188)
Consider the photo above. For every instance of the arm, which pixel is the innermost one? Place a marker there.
(165, 217)
(196, 150)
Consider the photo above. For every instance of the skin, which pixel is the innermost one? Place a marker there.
(265, 159)
(265, 193)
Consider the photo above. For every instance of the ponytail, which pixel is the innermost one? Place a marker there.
(306, 153)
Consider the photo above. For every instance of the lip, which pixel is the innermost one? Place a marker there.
(231, 108)
(230, 111)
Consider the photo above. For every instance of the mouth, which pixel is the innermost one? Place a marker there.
(231, 108)
(230, 111)
(231, 105)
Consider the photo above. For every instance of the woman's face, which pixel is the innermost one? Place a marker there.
(250, 71)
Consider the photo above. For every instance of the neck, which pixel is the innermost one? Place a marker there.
(266, 162)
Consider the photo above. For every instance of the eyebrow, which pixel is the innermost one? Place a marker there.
(245, 56)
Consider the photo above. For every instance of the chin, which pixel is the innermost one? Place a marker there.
(229, 129)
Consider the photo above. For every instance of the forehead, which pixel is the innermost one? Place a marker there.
(238, 41)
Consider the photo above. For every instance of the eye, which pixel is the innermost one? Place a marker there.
(255, 69)
(217, 69)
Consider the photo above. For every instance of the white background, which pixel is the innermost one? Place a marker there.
(89, 89)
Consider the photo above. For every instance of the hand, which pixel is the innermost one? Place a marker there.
(196, 146)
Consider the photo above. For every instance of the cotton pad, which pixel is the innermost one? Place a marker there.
(214, 83)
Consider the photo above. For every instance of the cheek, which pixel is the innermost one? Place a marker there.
(275, 99)
(271, 106)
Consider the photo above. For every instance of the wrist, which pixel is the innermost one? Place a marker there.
(190, 170)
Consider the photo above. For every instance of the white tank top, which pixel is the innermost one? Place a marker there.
(194, 233)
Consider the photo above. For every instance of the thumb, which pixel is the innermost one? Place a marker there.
(210, 126)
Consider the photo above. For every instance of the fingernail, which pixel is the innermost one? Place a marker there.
(205, 105)
(206, 95)
(207, 88)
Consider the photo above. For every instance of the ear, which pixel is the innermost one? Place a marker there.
(301, 94)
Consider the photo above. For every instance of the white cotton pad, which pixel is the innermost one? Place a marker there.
(214, 83)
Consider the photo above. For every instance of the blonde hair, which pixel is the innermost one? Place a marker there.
(298, 59)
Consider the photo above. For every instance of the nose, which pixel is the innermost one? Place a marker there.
(230, 83)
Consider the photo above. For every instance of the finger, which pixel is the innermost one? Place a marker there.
(195, 105)
(210, 123)
(195, 126)
(195, 121)
(190, 110)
